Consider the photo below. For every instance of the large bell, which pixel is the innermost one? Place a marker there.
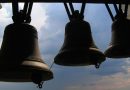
(20, 59)
(78, 48)
(120, 41)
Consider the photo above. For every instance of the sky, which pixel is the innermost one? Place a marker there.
(50, 21)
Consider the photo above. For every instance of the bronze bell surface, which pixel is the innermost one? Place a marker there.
(20, 59)
(78, 48)
(120, 41)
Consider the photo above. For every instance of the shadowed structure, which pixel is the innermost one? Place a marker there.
(20, 59)
(78, 48)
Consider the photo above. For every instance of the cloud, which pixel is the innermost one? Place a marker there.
(100, 24)
(5, 19)
(51, 36)
(50, 21)
(114, 81)
(39, 16)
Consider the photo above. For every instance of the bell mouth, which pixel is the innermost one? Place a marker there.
(82, 57)
(24, 72)
(23, 76)
(117, 51)
(20, 58)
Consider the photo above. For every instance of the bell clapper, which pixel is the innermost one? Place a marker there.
(40, 84)
(97, 65)
(37, 79)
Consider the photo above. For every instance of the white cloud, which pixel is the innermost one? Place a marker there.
(39, 16)
(5, 18)
(5, 15)
(116, 81)
(113, 82)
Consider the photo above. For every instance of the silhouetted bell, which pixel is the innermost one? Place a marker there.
(20, 59)
(78, 48)
(120, 41)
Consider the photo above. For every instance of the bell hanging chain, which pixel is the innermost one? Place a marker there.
(126, 10)
(120, 8)
(82, 8)
(109, 11)
(119, 11)
(14, 9)
(22, 15)
(70, 9)
(116, 8)
(67, 10)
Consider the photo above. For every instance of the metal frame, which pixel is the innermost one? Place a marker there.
(74, 1)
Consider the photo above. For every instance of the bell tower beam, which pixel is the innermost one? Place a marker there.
(74, 1)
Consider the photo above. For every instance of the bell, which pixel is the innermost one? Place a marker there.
(120, 41)
(20, 59)
(78, 48)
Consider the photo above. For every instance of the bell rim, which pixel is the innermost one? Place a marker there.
(84, 62)
(24, 72)
(7, 76)
(110, 51)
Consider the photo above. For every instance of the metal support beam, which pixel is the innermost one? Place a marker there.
(74, 1)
